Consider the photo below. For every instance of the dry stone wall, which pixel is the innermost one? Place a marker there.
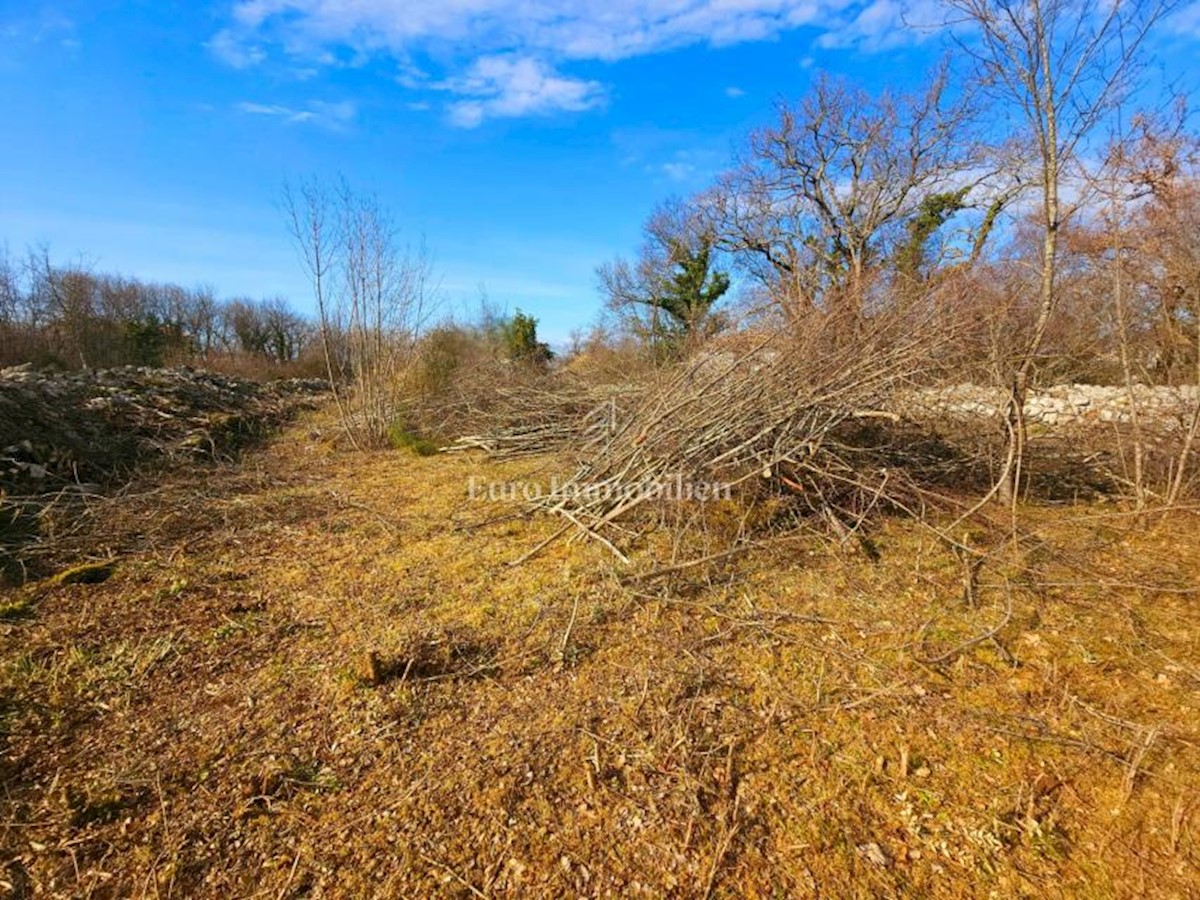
(1066, 405)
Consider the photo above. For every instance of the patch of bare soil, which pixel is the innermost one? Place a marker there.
(316, 674)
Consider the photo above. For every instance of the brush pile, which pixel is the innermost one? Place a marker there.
(68, 441)
(546, 415)
(802, 416)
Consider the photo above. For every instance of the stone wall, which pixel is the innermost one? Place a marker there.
(1064, 405)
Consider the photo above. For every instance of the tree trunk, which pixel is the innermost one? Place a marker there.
(1010, 484)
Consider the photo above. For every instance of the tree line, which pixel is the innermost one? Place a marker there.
(69, 316)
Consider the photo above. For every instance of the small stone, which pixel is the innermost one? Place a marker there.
(874, 854)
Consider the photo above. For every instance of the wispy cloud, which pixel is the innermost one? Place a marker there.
(520, 50)
(733, 92)
(44, 27)
(316, 112)
(689, 165)
(678, 171)
(884, 24)
(596, 31)
(238, 53)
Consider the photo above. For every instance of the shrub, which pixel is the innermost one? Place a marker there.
(403, 437)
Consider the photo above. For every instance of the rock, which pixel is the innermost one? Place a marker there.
(874, 854)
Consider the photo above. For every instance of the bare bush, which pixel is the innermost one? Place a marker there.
(489, 386)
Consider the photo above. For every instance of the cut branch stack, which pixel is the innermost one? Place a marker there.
(799, 414)
(534, 418)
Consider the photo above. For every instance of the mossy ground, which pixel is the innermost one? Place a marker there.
(801, 724)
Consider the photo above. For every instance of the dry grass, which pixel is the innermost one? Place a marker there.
(316, 674)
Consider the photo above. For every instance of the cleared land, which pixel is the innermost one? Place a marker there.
(314, 673)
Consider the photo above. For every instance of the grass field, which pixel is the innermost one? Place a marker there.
(314, 673)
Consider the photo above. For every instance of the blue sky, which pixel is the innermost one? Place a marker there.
(526, 140)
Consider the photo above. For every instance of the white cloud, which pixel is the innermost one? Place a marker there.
(678, 171)
(512, 86)
(567, 29)
(1187, 20)
(733, 92)
(874, 23)
(316, 112)
(507, 55)
(883, 24)
(235, 52)
(579, 29)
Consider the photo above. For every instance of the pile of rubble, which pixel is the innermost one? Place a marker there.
(91, 428)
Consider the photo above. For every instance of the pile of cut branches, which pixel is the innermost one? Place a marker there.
(801, 416)
(552, 414)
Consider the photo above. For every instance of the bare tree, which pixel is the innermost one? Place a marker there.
(385, 298)
(1166, 169)
(12, 326)
(1113, 184)
(1064, 65)
(372, 295)
(267, 328)
(66, 297)
(201, 317)
(309, 212)
(822, 194)
(10, 290)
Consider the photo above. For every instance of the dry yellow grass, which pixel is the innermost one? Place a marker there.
(315, 674)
